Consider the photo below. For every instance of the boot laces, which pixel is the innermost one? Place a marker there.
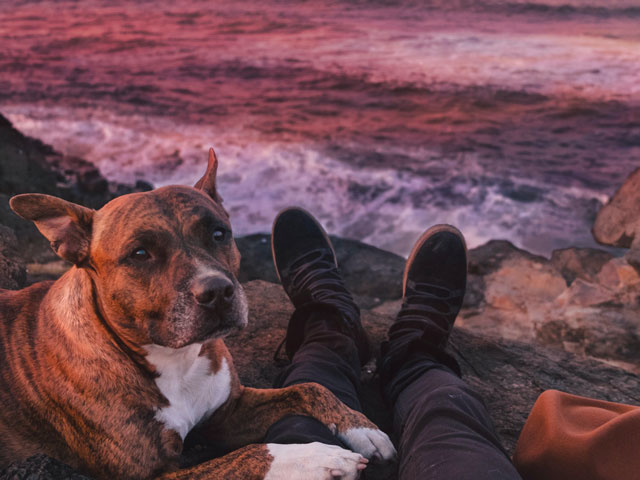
(424, 301)
(316, 273)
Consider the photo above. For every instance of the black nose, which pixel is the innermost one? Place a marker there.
(213, 292)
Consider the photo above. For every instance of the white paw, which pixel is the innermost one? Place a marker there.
(313, 461)
(370, 442)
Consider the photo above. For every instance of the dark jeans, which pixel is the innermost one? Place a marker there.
(442, 427)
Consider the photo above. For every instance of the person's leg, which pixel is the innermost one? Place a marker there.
(325, 341)
(443, 427)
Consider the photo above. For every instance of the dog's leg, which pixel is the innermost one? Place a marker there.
(247, 419)
(313, 461)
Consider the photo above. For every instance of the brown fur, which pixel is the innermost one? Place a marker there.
(74, 381)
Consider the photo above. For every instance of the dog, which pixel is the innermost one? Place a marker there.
(108, 368)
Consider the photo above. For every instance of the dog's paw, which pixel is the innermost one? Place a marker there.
(369, 442)
(313, 461)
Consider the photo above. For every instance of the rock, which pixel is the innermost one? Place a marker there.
(13, 273)
(40, 467)
(633, 258)
(521, 283)
(584, 263)
(372, 275)
(618, 222)
(485, 260)
(507, 286)
(606, 332)
(28, 165)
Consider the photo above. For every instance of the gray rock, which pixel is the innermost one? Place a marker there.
(40, 467)
(13, 273)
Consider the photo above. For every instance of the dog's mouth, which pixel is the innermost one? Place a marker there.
(189, 323)
(220, 331)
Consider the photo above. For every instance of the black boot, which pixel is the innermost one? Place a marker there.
(308, 270)
(434, 283)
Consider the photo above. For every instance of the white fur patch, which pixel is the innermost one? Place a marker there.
(370, 442)
(194, 393)
(312, 461)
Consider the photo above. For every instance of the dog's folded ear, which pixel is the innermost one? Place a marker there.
(208, 181)
(66, 225)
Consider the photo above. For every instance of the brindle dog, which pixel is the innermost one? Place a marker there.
(108, 368)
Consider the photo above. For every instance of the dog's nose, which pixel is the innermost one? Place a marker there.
(213, 292)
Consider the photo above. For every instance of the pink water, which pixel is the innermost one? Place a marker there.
(509, 119)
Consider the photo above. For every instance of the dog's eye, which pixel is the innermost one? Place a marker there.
(219, 235)
(140, 254)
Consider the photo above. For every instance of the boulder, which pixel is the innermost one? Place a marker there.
(618, 222)
(485, 260)
(372, 275)
(583, 263)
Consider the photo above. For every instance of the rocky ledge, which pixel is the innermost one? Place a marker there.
(529, 323)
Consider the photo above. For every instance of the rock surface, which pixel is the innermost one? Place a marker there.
(28, 165)
(618, 222)
(371, 275)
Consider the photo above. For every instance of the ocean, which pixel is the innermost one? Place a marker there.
(509, 119)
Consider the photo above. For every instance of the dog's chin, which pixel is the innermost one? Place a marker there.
(206, 331)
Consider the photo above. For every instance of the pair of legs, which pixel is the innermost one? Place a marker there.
(441, 425)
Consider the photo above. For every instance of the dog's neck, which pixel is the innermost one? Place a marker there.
(74, 305)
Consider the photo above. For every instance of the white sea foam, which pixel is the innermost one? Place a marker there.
(385, 206)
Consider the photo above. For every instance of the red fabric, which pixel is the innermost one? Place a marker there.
(567, 437)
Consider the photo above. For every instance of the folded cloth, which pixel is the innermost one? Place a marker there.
(569, 437)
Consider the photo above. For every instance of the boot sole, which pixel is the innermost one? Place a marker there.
(423, 238)
(324, 234)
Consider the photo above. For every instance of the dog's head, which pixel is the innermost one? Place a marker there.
(163, 263)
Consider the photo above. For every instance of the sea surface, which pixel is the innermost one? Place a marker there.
(510, 119)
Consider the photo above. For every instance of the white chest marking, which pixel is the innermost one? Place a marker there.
(194, 393)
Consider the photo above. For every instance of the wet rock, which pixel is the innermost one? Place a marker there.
(618, 223)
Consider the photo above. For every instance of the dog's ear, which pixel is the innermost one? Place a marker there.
(208, 181)
(66, 225)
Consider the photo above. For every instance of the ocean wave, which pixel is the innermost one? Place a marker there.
(388, 204)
